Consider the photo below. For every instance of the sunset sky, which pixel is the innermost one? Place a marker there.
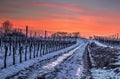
(90, 17)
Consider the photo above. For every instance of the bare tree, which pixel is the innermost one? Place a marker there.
(6, 27)
(60, 34)
(76, 34)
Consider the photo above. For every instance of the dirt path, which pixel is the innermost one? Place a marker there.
(72, 67)
(67, 65)
(47, 71)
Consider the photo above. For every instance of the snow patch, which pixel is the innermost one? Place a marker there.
(14, 69)
(104, 74)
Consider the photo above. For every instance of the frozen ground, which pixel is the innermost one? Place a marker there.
(72, 67)
(105, 44)
(68, 64)
(70, 60)
(42, 64)
(66, 67)
(105, 62)
(98, 43)
(61, 64)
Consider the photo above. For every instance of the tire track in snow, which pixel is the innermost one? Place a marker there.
(50, 67)
(72, 67)
(26, 72)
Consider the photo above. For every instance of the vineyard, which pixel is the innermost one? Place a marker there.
(17, 47)
(111, 41)
(41, 54)
(23, 49)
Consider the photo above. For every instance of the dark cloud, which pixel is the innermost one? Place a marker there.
(110, 5)
(26, 8)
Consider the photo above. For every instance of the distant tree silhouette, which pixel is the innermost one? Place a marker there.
(60, 34)
(16, 32)
(75, 34)
(65, 34)
(6, 27)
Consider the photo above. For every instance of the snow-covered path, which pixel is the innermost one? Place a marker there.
(68, 63)
(67, 66)
(72, 67)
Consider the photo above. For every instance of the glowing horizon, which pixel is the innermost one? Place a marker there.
(90, 18)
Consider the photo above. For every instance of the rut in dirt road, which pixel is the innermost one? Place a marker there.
(70, 68)
(67, 65)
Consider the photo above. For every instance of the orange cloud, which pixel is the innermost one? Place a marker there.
(87, 25)
(80, 19)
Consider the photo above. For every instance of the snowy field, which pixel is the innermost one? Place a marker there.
(47, 69)
(68, 66)
(105, 61)
(24, 69)
(99, 60)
